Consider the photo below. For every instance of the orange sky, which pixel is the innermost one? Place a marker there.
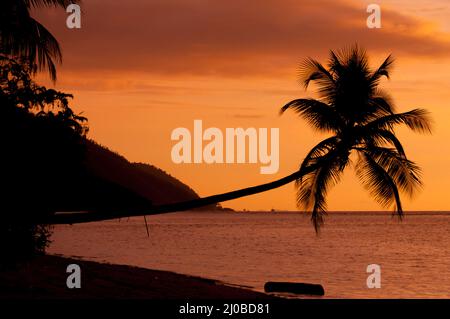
(139, 69)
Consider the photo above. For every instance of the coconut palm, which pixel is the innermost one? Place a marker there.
(21, 36)
(361, 119)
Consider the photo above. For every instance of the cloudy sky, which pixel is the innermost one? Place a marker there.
(141, 68)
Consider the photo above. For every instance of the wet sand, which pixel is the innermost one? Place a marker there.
(45, 278)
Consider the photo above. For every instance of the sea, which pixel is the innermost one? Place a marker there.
(251, 248)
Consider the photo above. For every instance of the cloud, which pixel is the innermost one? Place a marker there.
(232, 37)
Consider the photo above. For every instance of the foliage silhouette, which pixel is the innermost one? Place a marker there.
(361, 118)
(21, 36)
(41, 139)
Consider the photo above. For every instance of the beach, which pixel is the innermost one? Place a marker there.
(45, 278)
(250, 249)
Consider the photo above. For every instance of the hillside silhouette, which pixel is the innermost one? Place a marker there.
(145, 180)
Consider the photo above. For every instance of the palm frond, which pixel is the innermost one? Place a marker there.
(390, 138)
(33, 42)
(334, 63)
(312, 70)
(319, 151)
(350, 58)
(383, 70)
(418, 120)
(24, 38)
(405, 173)
(381, 103)
(49, 3)
(380, 184)
(314, 185)
(318, 114)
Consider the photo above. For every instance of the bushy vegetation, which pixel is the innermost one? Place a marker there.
(42, 144)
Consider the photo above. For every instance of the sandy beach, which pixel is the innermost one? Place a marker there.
(45, 278)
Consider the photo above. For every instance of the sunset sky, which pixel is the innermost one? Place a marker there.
(140, 68)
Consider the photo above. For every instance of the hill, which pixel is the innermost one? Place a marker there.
(145, 180)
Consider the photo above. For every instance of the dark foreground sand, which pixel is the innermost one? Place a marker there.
(45, 278)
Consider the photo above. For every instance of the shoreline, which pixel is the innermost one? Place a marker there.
(45, 278)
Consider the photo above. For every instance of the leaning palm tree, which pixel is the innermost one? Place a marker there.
(21, 36)
(361, 119)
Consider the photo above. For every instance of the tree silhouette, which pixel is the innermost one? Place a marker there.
(361, 118)
(21, 36)
(42, 143)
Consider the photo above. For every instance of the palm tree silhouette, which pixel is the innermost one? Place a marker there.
(23, 37)
(361, 118)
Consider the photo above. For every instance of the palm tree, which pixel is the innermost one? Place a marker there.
(21, 36)
(361, 119)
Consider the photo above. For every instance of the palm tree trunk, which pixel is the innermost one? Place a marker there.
(84, 217)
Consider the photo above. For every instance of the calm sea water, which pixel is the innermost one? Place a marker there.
(252, 248)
